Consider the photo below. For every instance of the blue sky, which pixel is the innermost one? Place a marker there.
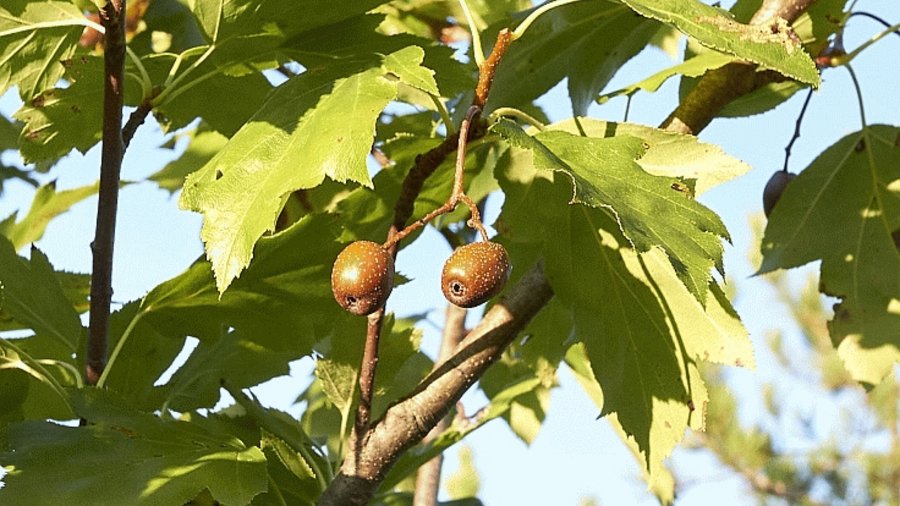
(575, 455)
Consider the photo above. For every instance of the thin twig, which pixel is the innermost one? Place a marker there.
(135, 120)
(874, 17)
(113, 20)
(367, 377)
(486, 72)
(790, 146)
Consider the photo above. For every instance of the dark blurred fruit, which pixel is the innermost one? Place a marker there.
(774, 188)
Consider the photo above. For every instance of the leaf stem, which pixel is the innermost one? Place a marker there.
(477, 49)
(526, 23)
(875, 38)
(512, 112)
(859, 97)
(118, 349)
(146, 82)
(442, 110)
(172, 84)
(37, 370)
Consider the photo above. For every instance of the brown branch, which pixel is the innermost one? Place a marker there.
(135, 120)
(111, 16)
(428, 478)
(489, 67)
(367, 378)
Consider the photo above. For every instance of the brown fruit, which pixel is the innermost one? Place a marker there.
(362, 277)
(774, 188)
(474, 273)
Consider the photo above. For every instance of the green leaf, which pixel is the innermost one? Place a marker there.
(225, 77)
(290, 458)
(282, 305)
(203, 145)
(295, 17)
(844, 209)
(773, 45)
(760, 100)
(135, 458)
(35, 37)
(316, 124)
(643, 331)
(527, 411)
(139, 360)
(9, 134)
(650, 210)
(61, 119)
(242, 361)
(32, 295)
(338, 382)
(465, 481)
(170, 27)
(46, 205)
(360, 39)
(671, 154)
(693, 66)
(75, 286)
(47, 368)
(586, 42)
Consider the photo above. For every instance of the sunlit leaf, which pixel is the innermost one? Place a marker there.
(650, 210)
(773, 45)
(320, 123)
(46, 205)
(35, 37)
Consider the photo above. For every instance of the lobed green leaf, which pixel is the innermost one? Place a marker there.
(844, 209)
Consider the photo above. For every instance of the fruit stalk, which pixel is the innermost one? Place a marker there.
(457, 195)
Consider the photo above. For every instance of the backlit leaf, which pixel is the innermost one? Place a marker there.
(844, 209)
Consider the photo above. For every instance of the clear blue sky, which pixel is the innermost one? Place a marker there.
(575, 455)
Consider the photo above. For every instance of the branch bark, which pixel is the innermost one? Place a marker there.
(428, 478)
(113, 20)
(409, 420)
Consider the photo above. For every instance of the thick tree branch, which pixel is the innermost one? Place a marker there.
(113, 20)
(428, 478)
(409, 420)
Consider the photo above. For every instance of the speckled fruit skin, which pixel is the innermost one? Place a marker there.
(774, 188)
(474, 273)
(362, 277)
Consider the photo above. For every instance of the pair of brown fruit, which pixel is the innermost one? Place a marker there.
(363, 275)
